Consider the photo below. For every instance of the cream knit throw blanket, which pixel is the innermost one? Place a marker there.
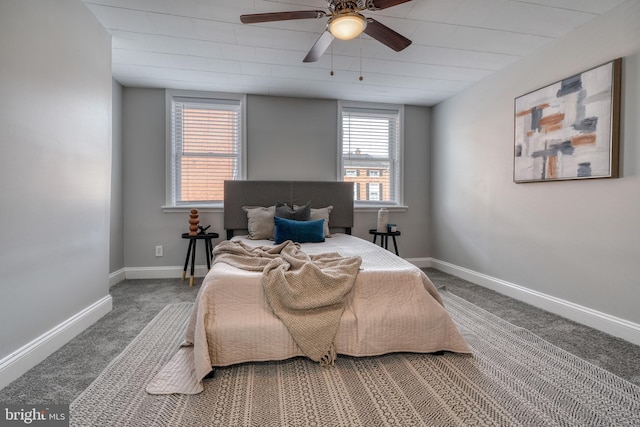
(306, 292)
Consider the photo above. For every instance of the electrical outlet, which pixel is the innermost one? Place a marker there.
(158, 250)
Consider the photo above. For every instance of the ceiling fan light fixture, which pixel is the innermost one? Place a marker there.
(347, 26)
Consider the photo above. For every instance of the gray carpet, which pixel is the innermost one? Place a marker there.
(613, 354)
(70, 370)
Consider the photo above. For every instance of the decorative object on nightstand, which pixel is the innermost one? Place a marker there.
(383, 220)
(384, 237)
(191, 251)
(193, 222)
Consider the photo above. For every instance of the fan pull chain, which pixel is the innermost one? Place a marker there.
(360, 78)
(331, 46)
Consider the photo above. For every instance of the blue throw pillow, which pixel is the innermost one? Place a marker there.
(299, 231)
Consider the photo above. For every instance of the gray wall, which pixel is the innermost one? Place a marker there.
(287, 138)
(575, 240)
(291, 138)
(116, 226)
(55, 134)
(145, 225)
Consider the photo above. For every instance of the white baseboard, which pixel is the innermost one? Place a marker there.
(117, 277)
(420, 262)
(604, 322)
(162, 272)
(20, 361)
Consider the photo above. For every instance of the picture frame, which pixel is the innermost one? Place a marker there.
(570, 129)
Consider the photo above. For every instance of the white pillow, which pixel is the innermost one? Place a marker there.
(322, 213)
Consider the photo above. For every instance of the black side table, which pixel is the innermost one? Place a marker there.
(192, 251)
(384, 238)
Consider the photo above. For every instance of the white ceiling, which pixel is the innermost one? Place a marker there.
(201, 45)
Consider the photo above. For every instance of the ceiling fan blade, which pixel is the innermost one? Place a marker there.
(282, 16)
(383, 4)
(386, 35)
(319, 47)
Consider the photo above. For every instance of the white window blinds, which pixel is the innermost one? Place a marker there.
(371, 145)
(206, 148)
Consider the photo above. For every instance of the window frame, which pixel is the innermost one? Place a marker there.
(170, 96)
(364, 205)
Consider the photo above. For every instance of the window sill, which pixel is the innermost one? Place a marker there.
(376, 208)
(220, 208)
(187, 208)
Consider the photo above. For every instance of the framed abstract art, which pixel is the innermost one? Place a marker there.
(570, 129)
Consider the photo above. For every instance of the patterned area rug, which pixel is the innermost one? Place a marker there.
(514, 378)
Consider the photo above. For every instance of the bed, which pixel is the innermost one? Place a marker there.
(392, 305)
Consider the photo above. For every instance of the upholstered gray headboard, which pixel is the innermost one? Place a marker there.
(266, 193)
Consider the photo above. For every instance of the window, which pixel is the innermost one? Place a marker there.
(373, 191)
(371, 145)
(205, 148)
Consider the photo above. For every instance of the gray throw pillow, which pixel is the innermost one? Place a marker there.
(303, 213)
(260, 222)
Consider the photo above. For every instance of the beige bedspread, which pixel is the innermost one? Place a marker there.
(306, 292)
(393, 307)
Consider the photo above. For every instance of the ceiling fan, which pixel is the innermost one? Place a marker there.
(345, 22)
